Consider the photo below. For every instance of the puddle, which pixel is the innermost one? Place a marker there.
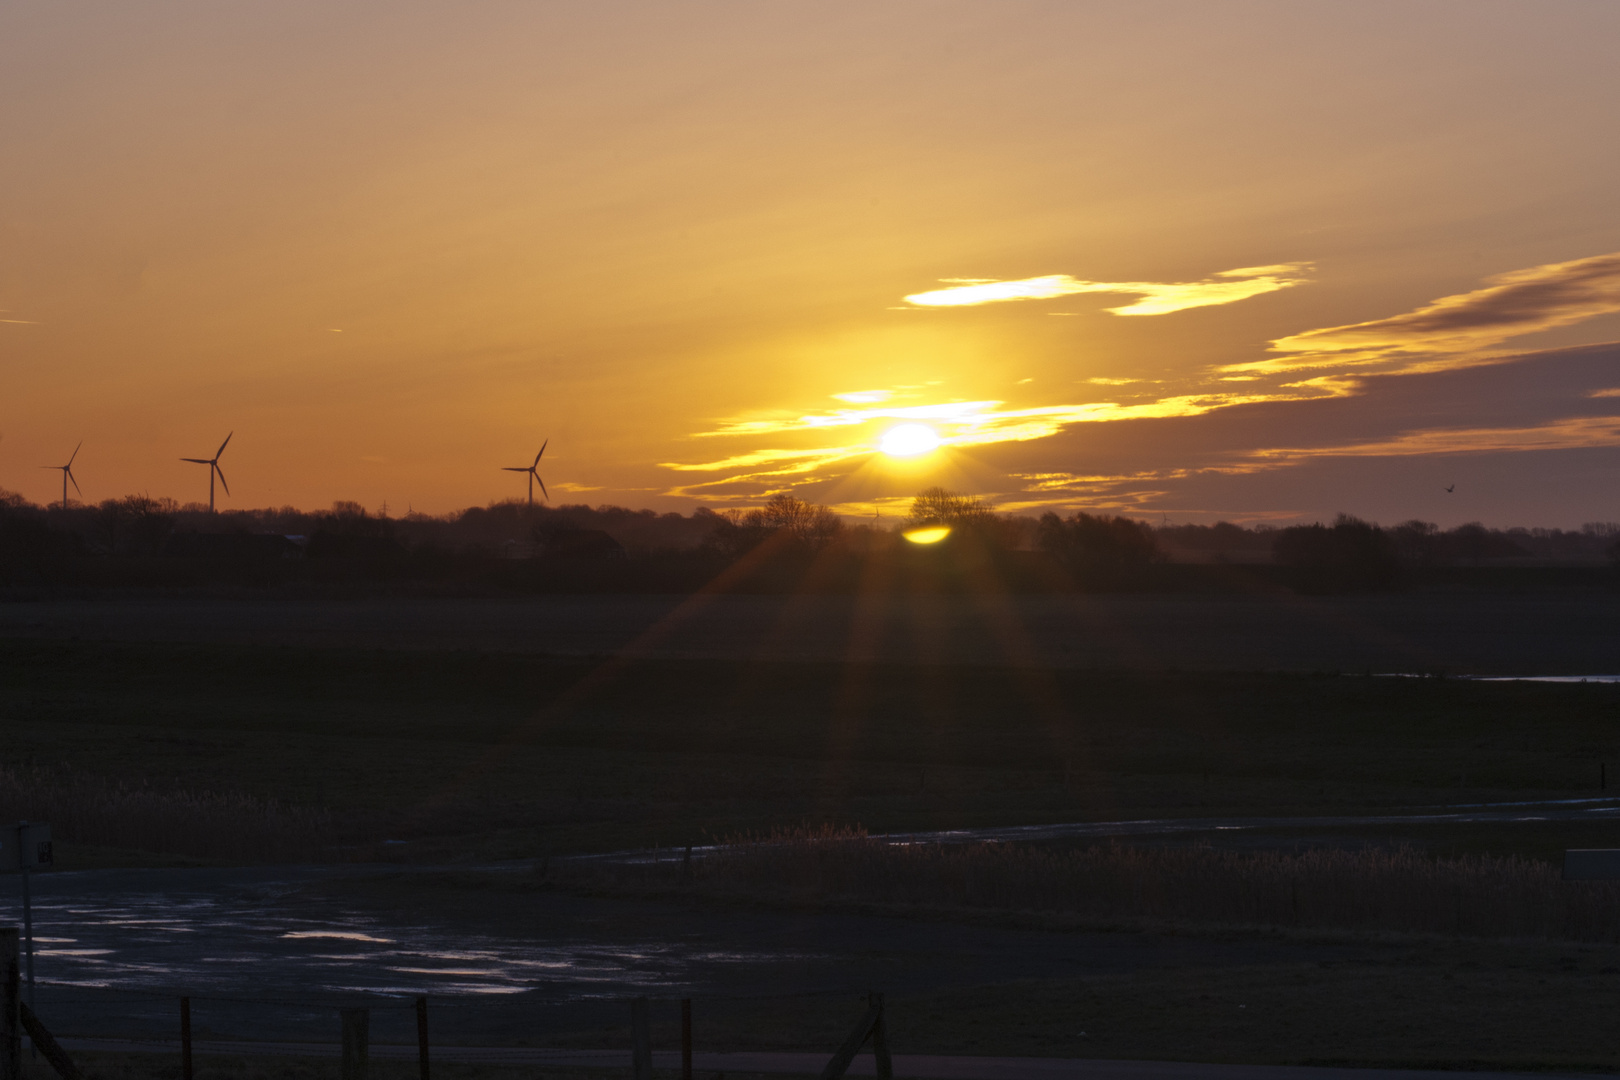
(268, 943)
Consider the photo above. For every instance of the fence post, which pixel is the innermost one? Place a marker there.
(640, 1040)
(10, 1006)
(356, 1048)
(839, 1064)
(686, 1032)
(421, 1036)
(185, 1038)
(46, 1044)
(880, 1041)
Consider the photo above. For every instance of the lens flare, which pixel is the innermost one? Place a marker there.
(909, 440)
(927, 534)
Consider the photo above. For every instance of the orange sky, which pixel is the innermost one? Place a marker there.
(1246, 260)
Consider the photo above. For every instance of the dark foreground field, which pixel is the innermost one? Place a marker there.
(215, 751)
(1546, 631)
(210, 738)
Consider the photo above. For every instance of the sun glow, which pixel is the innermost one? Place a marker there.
(927, 534)
(909, 440)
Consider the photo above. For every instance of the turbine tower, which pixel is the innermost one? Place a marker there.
(67, 474)
(534, 474)
(213, 467)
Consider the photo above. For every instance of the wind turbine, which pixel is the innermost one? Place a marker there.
(213, 467)
(534, 474)
(67, 474)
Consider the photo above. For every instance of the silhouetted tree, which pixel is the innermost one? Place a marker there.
(939, 506)
(1350, 555)
(1098, 547)
(135, 524)
(789, 520)
(27, 539)
(350, 534)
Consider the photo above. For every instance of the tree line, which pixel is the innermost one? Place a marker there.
(137, 539)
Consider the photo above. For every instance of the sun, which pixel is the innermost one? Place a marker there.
(908, 440)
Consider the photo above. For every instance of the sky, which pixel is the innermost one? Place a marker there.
(1178, 260)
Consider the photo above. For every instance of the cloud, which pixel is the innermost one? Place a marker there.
(1571, 433)
(1454, 329)
(960, 424)
(1157, 298)
(970, 423)
(1445, 339)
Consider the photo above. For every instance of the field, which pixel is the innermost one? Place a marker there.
(169, 738)
(500, 755)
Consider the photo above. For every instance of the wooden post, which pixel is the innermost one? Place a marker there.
(185, 1038)
(852, 1045)
(46, 1044)
(10, 1006)
(356, 1043)
(421, 1036)
(640, 1040)
(880, 1041)
(686, 1032)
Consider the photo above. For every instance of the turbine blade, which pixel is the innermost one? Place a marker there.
(541, 454)
(76, 487)
(222, 446)
(221, 472)
(198, 460)
(543, 490)
(514, 468)
(76, 451)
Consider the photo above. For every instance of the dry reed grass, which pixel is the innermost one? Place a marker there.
(1402, 891)
(97, 810)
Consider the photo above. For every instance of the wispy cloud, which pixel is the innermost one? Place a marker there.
(1157, 297)
(782, 449)
(967, 423)
(959, 424)
(1570, 433)
(1456, 329)
(20, 322)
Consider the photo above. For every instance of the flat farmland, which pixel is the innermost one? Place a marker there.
(1456, 633)
(468, 754)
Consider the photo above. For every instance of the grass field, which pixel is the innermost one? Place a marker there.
(487, 755)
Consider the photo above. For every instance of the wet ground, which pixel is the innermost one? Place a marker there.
(271, 955)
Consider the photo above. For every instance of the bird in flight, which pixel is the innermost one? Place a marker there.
(1450, 488)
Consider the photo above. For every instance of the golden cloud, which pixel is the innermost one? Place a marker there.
(1455, 329)
(971, 423)
(1447, 332)
(1157, 298)
(1572, 433)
